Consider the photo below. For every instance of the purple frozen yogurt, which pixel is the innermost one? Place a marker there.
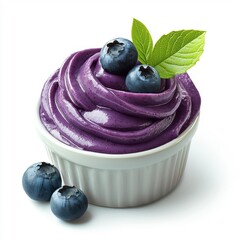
(87, 108)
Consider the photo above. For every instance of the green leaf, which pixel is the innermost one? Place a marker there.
(142, 40)
(177, 51)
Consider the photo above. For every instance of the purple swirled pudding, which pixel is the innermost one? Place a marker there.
(118, 120)
(88, 108)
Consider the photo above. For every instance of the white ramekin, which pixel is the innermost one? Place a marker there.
(121, 180)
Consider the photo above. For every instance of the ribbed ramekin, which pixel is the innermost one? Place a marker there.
(121, 180)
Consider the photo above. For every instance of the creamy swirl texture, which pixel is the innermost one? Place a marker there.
(90, 109)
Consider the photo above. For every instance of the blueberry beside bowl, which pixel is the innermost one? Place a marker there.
(68, 203)
(40, 180)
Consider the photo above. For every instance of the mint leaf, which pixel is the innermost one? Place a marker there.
(142, 40)
(177, 51)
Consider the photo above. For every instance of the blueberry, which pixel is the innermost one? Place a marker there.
(40, 180)
(118, 56)
(68, 203)
(143, 79)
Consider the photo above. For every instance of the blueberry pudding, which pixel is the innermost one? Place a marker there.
(123, 115)
(127, 96)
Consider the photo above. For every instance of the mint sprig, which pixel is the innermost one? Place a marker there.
(142, 40)
(173, 53)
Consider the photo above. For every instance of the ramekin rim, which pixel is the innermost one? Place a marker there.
(41, 128)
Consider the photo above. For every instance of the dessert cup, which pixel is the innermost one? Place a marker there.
(121, 180)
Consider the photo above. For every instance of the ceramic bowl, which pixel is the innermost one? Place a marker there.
(121, 180)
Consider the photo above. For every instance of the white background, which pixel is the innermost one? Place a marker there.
(36, 37)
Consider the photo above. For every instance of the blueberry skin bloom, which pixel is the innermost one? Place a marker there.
(143, 79)
(68, 203)
(118, 56)
(40, 180)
